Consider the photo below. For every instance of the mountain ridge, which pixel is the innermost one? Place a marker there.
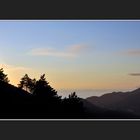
(124, 101)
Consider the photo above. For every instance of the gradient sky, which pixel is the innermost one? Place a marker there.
(73, 54)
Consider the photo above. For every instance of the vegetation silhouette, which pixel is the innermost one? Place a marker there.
(27, 83)
(36, 99)
(3, 76)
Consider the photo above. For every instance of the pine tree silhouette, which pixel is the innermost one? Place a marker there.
(44, 102)
(42, 88)
(27, 83)
(3, 77)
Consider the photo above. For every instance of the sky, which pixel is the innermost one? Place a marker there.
(92, 55)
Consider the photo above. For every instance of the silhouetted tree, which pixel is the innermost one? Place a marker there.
(73, 99)
(73, 105)
(42, 88)
(73, 95)
(3, 77)
(31, 85)
(27, 83)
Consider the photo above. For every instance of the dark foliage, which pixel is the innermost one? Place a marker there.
(3, 77)
(27, 83)
(36, 99)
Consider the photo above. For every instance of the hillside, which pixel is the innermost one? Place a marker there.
(10, 90)
(122, 101)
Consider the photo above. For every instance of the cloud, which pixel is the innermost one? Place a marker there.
(71, 51)
(134, 74)
(12, 67)
(132, 52)
(77, 49)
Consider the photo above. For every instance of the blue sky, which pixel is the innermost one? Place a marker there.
(73, 54)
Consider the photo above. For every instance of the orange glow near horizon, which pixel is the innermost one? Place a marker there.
(73, 82)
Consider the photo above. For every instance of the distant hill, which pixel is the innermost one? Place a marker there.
(93, 111)
(119, 101)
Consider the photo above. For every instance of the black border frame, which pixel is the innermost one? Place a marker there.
(100, 10)
(51, 9)
(69, 130)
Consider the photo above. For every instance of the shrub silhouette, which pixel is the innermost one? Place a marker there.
(73, 106)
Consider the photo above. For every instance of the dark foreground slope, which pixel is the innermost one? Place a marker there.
(12, 101)
(16, 103)
(119, 101)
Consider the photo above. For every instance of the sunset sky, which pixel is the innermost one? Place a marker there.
(73, 54)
